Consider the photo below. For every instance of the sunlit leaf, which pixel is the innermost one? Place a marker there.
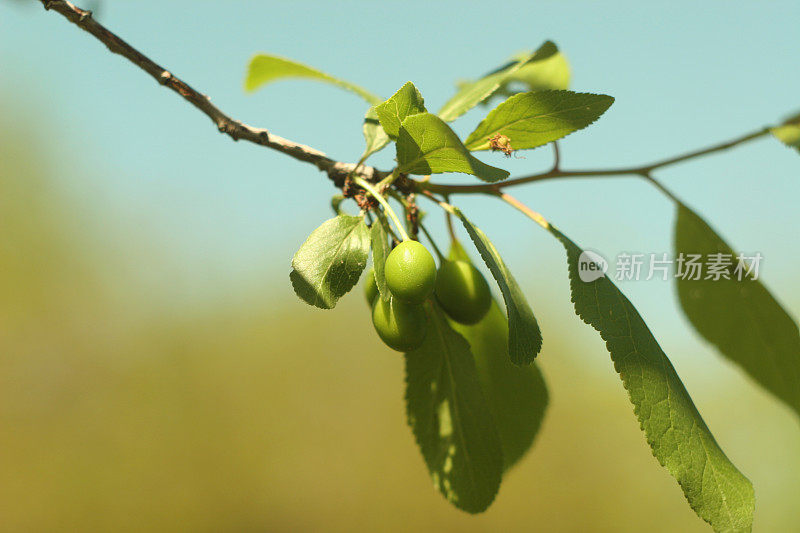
(470, 94)
(451, 419)
(524, 336)
(427, 145)
(374, 136)
(551, 72)
(739, 316)
(265, 69)
(331, 260)
(533, 119)
(677, 434)
(391, 113)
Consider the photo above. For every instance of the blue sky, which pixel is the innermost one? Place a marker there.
(684, 74)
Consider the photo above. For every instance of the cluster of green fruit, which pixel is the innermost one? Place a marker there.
(411, 277)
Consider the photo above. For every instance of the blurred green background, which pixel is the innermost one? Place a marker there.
(156, 372)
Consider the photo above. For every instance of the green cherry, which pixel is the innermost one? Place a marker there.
(400, 325)
(370, 287)
(410, 272)
(462, 292)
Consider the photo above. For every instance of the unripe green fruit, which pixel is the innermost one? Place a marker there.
(410, 272)
(462, 292)
(370, 286)
(400, 325)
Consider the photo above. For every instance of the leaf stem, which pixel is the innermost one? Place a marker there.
(448, 208)
(386, 207)
(524, 209)
(658, 185)
(556, 156)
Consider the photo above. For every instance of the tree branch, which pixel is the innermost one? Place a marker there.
(336, 170)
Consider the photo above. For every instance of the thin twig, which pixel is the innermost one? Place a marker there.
(640, 170)
(711, 149)
(336, 170)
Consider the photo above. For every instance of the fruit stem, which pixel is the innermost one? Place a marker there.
(442, 258)
(386, 207)
(449, 219)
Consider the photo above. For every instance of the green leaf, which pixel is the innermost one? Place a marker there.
(265, 69)
(451, 419)
(391, 113)
(517, 395)
(374, 135)
(331, 260)
(469, 95)
(472, 93)
(740, 317)
(789, 132)
(524, 336)
(550, 73)
(537, 118)
(427, 145)
(677, 434)
(380, 251)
